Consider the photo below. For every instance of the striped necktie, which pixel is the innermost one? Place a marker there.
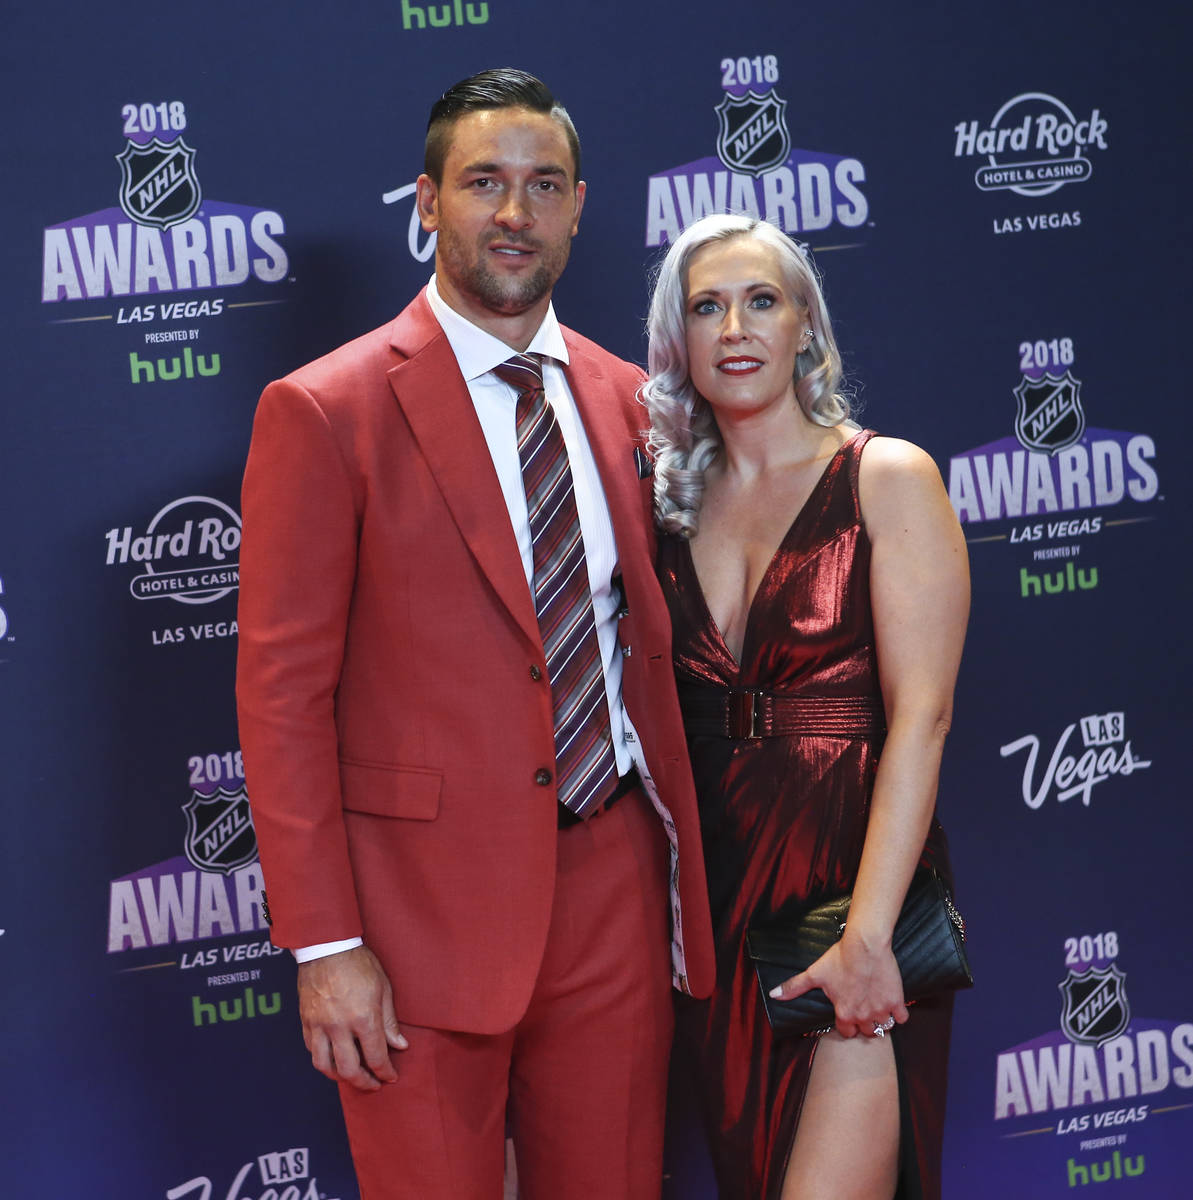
(585, 764)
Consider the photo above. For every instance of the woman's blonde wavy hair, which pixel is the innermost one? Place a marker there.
(684, 438)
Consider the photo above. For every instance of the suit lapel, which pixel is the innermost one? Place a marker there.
(434, 398)
(613, 449)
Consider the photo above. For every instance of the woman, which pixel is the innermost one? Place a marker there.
(818, 588)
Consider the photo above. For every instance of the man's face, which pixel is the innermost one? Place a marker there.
(505, 211)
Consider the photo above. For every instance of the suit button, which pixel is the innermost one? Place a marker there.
(535, 673)
(542, 777)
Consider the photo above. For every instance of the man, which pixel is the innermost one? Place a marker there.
(460, 825)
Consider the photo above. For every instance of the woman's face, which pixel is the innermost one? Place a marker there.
(743, 329)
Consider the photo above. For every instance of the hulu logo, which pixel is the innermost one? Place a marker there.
(440, 16)
(1052, 583)
(1103, 1172)
(246, 1006)
(143, 371)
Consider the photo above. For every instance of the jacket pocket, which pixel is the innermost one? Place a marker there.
(391, 791)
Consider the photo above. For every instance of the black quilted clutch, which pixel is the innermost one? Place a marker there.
(929, 946)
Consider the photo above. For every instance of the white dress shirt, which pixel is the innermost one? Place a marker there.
(477, 353)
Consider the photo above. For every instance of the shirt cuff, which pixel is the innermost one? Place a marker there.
(323, 949)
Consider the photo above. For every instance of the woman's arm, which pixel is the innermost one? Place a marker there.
(920, 595)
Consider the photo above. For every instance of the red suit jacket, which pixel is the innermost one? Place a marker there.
(390, 718)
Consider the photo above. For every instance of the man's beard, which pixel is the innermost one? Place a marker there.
(496, 293)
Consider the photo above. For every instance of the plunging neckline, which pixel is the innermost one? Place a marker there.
(770, 566)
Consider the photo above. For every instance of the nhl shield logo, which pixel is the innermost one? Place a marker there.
(219, 831)
(158, 185)
(1050, 416)
(753, 136)
(1094, 1005)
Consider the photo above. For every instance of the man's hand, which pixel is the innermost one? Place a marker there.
(348, 1021)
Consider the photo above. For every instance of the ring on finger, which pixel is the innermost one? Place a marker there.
(881, 1027)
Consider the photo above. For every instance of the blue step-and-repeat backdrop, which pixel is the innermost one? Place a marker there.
(201, 198)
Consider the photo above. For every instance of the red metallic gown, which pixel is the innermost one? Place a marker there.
(784, 816)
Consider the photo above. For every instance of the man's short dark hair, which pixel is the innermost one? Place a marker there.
(501, 87)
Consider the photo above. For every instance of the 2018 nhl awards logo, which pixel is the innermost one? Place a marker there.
(1050, 417)
(161, 236)
(158, 185)
(753, 135)
(211, 887)
(756, 168)
(1097, 1084)
(1054, 464)
(219, 831)
(1094, 1005)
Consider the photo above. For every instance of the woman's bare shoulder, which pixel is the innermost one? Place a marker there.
(898, 480)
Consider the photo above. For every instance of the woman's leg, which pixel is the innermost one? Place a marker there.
(846, 1146)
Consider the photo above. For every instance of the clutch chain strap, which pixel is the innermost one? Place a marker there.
(954, 915)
